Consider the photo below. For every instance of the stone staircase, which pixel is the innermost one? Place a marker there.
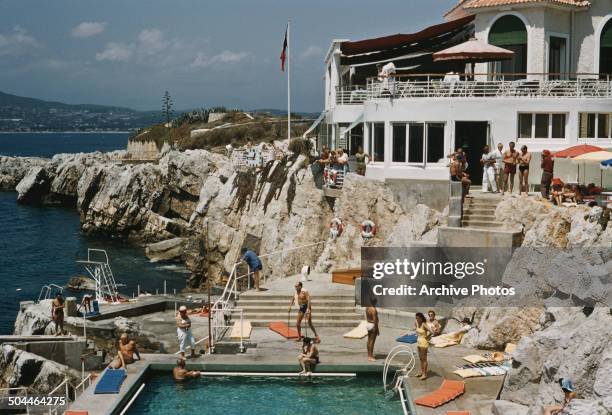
(261, 308)
(479, 211)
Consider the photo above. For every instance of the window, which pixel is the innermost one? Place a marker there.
(435, 142)
(605, 49)
(557, 57)
(541, 125)
(525, 125)
(377, 141)
(399, 143)
(509, 32)
(593, 125)
(416, 142)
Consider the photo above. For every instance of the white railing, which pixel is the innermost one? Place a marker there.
(486, 85)
(224, 306)
(355, 94)
(45, 291)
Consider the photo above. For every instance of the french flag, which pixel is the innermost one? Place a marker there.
(283, 56)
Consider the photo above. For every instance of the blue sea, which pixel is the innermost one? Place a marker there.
(39, 245)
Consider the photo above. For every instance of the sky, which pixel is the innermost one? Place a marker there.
(205, 53)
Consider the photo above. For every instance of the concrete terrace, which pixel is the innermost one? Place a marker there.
(275, 353)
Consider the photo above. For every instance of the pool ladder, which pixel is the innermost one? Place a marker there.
(401, 383)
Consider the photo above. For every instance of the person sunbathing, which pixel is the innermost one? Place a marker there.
(309, 357)
(433, 323)
(180, 373)
(125, 353)
(556, 195)
(568, 194)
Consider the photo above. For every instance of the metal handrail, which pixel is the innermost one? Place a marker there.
(397, 350)
(509, 74)
(48, 289)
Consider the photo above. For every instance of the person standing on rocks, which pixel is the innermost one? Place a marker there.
(548, 165)
(183, 331)
(254, 264)
(499, 165)
(57, 313)
(488, 170)
(372, 327)
(304, 302)
(524, 158)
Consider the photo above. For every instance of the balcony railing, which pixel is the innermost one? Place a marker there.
(461, 86)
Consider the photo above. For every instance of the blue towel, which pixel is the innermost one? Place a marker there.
(110, 381)
(407, 338)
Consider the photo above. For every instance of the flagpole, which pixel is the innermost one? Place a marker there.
(289, 79)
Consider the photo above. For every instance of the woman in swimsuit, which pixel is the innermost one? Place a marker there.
(523, 165)
(423, 334)
(57, 313)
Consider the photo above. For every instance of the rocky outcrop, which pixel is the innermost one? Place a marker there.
(168, 250)
(571, 343)
(544, 224)
(19, 368)
(14, 169)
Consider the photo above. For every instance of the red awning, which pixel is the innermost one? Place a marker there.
(395, 41)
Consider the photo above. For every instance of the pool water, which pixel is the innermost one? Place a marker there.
(264, 396)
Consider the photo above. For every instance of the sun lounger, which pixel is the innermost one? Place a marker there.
(407, 338)
(110, 381)
(449, 390)
(477, 370)
(358, 332)
(284, 330)
(458, 413)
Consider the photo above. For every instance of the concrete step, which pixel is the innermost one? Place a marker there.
(274, 308)
(316, 322)
(275, 316)
(269, 297)
(479, 211)
(285, 303)
(480, 223)
(481, 204)
(478, 217)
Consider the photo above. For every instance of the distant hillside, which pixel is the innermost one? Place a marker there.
(30, 114)
(283, 113)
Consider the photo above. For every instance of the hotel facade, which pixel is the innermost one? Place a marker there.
(555, 92)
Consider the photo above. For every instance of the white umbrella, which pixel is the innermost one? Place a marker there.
(595, 157)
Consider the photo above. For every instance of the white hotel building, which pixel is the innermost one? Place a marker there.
(555, 92)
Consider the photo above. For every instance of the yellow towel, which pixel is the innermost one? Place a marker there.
(448, 339)
(476, 358)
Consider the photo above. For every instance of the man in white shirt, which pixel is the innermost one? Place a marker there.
(342, 159)
(499, 165)
(385, 74)
(488, 170)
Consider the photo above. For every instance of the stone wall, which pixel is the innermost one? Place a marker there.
(145, 150)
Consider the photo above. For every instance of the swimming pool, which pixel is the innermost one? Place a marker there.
(263, 396)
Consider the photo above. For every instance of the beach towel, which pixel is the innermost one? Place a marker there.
(409, 338)
(358, 332)
(482, 369)
(284, 330)
(246, 330)
(475, 358)
(111, 381)
(449, 390)
(448, 339)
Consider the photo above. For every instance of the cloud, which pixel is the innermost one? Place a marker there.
(17, 42)
(311, 52)
(116, 52)
(152, 40)
(227, 56)
(88, 29)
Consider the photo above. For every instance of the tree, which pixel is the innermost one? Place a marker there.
(167, 105)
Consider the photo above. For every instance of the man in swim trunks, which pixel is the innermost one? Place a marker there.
(303, 301)
(510, 161)
(180, 373)
(86, 303)
(125, 353)
(57, 313)
(371, 314)
(309, 357)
